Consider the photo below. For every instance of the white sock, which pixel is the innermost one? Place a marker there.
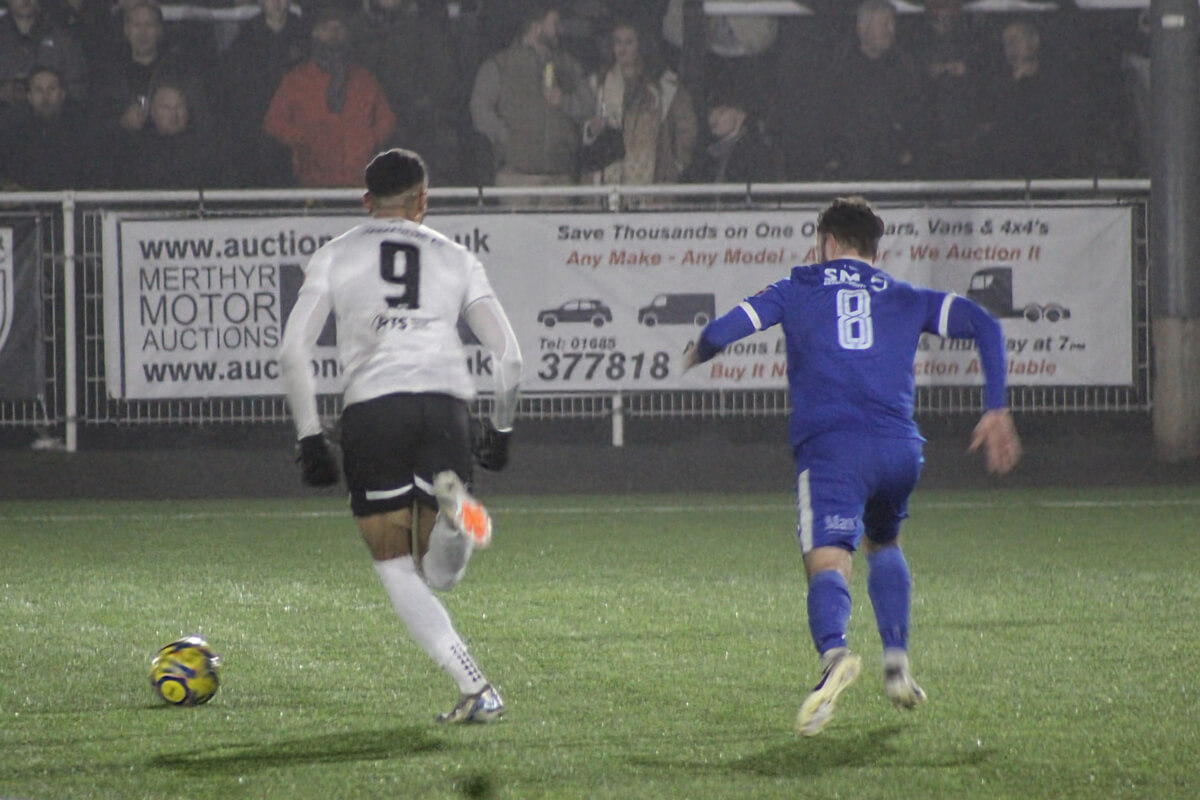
(449, 551)
(428, 622)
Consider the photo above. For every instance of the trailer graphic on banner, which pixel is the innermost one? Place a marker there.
(604, 302)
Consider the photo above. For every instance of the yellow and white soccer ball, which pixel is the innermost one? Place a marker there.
(184, 672)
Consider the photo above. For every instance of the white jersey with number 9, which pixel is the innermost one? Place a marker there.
(396, 289)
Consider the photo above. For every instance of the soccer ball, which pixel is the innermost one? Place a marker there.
(184, 673)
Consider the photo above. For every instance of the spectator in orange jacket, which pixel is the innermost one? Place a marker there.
(329, 111)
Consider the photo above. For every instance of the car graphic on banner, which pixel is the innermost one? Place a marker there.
(593, 311)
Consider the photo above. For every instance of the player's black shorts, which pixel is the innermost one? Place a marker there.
(392, 446)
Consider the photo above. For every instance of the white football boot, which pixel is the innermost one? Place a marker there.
(485, 705)
(898, 683)
(840, 669)
(459, 506)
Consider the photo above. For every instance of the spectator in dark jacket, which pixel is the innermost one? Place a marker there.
(266, 47)
(953, 87)
(30, 38)
(1033, 128)
(742, 150)
(121, 96)
(172, 151)
(95, 24)
(397, 40)
(49, 147)
(873, 106)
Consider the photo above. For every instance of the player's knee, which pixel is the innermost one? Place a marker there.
(387, 535)
(386, 542)
(834, 558)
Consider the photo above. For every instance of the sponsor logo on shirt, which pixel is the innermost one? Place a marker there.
(388, 322)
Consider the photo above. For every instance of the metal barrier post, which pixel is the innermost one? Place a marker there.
(618, 420)
(71, 401)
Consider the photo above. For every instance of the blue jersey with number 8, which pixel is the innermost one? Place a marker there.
(852, 332)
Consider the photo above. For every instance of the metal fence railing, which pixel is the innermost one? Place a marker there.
(71, 250)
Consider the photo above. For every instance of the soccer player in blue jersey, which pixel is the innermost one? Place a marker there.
(852, 332)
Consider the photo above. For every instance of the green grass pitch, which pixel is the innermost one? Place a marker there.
(647, 647)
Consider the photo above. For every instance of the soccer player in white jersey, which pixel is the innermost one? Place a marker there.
(851, 332)
(397, 290)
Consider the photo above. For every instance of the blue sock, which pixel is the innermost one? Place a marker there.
(889, 585)
(828, 609)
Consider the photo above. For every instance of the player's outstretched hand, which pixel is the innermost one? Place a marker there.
(997, 435)
(488, 445)
(317, 464)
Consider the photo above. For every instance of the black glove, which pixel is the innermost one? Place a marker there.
(317, 464)
(488, 445)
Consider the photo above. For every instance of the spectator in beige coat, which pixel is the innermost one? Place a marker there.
(637, 95)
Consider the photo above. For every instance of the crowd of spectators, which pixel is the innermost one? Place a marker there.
(123, 94)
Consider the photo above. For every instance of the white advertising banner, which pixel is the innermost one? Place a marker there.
(609, 301)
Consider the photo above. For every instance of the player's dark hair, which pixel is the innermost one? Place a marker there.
(394, 172)
(853, 223)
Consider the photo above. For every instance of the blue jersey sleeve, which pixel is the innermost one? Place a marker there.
(753, 314)
(961, 318)
(722, 332)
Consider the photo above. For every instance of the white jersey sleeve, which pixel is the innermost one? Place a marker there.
(490, 325)
(301, 331)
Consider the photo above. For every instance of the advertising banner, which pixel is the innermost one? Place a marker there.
(604, 302)
(22, 360)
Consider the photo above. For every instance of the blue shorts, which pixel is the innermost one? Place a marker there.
(848, 484)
